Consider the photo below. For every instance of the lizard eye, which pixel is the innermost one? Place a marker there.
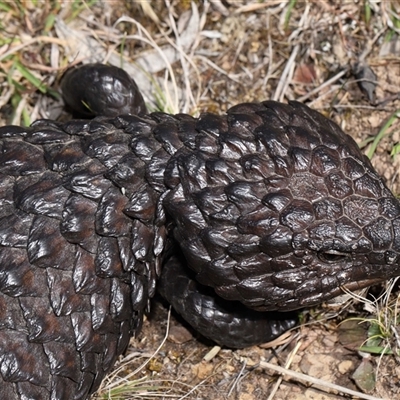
(332, 256)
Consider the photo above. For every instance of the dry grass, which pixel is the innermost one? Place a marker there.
(199, 56)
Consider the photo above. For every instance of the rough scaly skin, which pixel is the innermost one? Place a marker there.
(98, 89)
(228, 323)
(272, 205)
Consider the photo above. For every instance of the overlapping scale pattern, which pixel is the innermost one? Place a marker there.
(272, 206)
(77, 265)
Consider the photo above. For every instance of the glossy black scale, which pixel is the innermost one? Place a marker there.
(267, 208)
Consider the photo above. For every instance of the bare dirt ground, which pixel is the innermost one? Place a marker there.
(200, 56)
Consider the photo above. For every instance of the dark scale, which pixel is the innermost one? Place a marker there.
(268, 208)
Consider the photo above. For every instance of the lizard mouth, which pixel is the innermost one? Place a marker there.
(341, 290)
(353, 286)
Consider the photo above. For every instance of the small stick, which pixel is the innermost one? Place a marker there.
(316, 381)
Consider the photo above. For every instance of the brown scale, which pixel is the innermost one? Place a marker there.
(271, 206)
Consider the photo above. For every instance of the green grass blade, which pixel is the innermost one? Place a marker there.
(49, 23)
(4, 6)
(78, 6)
(30, 77)
(395, 150)
(375, 350)
(367, 14)
(382, 133)
(292, 3)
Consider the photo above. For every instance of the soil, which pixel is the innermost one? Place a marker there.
(232, 51)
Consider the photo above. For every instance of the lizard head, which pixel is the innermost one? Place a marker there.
(273, 205)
